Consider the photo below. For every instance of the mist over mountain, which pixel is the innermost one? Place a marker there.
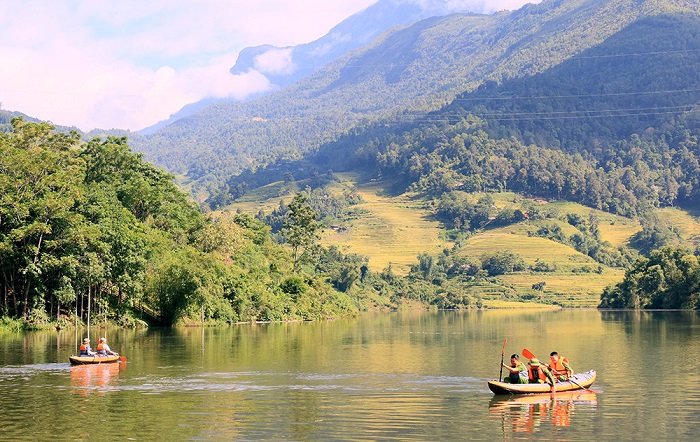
(282, 66)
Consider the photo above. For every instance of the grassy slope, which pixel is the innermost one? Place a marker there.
(394, 230)
(575, 281)
(266, 198)
(390, 230)
(687, 223)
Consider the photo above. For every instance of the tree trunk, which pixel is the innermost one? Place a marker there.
(26, 300)
(5, 307)
(88, 315)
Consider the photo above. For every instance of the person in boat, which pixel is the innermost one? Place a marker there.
(518, 371)
(559, 365)
(103, 349)
(85, 349)
(538, 373)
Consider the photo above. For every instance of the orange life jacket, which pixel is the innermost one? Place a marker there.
(84, 350)
(536, 373)
(559, 365)
(101, 349)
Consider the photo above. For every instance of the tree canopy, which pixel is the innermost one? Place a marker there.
(89, 227)
(668, 279)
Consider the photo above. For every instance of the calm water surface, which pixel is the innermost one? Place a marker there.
(401, 376)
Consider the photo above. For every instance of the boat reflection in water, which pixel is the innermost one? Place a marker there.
(526, 413)
(95, 378)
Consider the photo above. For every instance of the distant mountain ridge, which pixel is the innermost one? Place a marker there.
(405, 72)
(285, 65)
(356, 31)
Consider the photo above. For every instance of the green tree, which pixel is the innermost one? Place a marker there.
(40, 180)
(669, 278)
(500, 263)
(301, 230)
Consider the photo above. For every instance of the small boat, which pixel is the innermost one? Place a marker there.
(578, 381)
(82, 360)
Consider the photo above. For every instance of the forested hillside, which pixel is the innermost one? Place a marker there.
(404, 73)
(88, 230)
(614, 128)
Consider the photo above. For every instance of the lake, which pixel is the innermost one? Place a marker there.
(383, 376)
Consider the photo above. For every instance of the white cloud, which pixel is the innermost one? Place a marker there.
(480, 6)
(275, 61)
(130, 63)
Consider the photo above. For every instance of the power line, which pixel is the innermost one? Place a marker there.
(634, 54)
(611, 94)
(540, 116)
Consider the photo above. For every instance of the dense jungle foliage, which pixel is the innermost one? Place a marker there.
(91, 232)
(89, 228)
(668, 279)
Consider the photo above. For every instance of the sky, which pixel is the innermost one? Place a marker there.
(128, 64)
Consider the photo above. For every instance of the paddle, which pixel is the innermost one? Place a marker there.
(569, 379)
(503, 351)
(528, 354)
(122, 358)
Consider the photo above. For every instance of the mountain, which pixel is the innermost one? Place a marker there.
(354, 32)
(402, 74)
(6, 117)
(285, 65)
(182, 113)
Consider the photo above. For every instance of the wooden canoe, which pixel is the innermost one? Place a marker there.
(581, 381)
(82, 360)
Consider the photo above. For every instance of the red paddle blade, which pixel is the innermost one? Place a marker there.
(122, 358)
(503, 350)
(528, 354)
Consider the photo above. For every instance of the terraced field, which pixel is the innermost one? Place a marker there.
(687, 223)
(393, 230)
(390, 230)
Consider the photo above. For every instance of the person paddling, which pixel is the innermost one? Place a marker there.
(560, 366)
(518, 371)
(85, 349)
(538, 374)
(103, 349)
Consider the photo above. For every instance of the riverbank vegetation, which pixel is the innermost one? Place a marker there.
(668, 279)
(89, 231)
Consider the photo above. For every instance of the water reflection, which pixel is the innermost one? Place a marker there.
(97, 378)
(525, 414)
(405, 376)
